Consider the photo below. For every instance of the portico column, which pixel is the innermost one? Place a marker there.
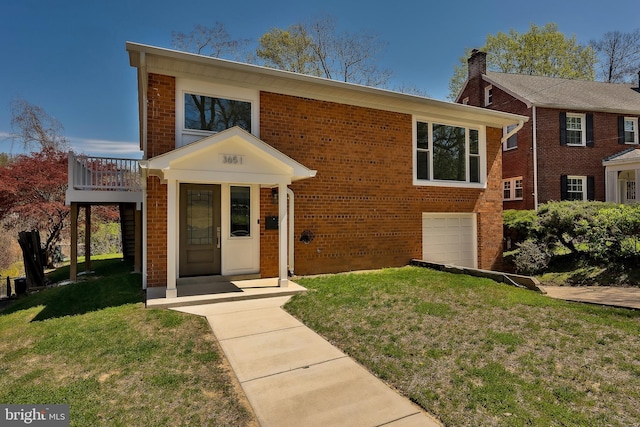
(172, 237)
(283, 280)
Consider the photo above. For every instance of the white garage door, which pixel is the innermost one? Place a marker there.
(450, 238)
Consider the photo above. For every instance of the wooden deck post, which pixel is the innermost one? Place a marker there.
(87, 238)
(73, 270)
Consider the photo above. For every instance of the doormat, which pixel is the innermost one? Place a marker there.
(216, 287)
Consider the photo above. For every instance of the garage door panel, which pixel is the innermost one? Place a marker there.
(450, 238)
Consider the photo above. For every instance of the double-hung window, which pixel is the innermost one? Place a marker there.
(576, 134)
(630, 130)
(448, 154)
(577, 187)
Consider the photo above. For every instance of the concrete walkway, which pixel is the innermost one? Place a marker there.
(605, 295)
(293, 377)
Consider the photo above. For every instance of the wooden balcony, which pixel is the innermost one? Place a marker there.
(103, 180)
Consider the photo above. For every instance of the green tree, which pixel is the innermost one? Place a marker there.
(317, 48)
(541, 51)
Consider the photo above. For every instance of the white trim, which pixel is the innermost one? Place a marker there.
(507, 134)
(183, 86)
(488, 95)
(583, 129)
(512, 188)
(583, 183)
(634, 121)
(174, 63)
(482, 153)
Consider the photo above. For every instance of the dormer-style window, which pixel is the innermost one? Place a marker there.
(488, 95)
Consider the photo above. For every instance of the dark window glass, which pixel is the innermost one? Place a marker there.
(423, 165)
(423, 135)
(240, 211)
(449, 157)
(215, 114)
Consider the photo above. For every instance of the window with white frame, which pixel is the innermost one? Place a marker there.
(576, 188)
(465, 101)
(448, 154)
(512, 141)
(211, 114)
(205, 108)
(512, 188)
(630, 130)
(576, 134)
(488, 95)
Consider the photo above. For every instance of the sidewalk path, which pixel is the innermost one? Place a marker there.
(293, 377)
(606, 295)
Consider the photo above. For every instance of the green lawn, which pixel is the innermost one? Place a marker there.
(477, 353)
(94, 346)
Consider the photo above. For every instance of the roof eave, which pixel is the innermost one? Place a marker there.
(181, 63)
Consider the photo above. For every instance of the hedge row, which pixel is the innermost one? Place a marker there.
(596, 231)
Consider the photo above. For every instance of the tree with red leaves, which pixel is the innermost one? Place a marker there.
(32, 194)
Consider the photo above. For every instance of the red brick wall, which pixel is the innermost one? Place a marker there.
(161, 115)
(362, 206)
(156, 232)
(268, 238)
(554, 160)
(161, 137)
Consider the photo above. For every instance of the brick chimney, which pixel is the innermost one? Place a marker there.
(477, 63)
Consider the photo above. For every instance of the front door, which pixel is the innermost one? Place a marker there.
(199, 230)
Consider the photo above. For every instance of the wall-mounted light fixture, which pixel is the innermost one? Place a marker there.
(274, 196)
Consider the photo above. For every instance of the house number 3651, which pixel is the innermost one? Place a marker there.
(231, 159)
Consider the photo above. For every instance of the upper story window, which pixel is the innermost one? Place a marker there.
(575, 129)
(488, 95)
(630, 130)
(465, 101)
(512, 188)
(448, 155)
(204, 108)
(211, 114)
(512, 141)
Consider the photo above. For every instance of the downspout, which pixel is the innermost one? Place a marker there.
(290, 195)
(535, 160)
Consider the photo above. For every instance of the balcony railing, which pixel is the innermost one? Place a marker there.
(103, 173)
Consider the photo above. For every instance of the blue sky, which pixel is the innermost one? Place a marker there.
(68, 56)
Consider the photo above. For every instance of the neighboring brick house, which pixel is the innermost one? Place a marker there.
(580, 142)
(256, 171)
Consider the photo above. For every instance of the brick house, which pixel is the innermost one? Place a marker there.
(250, 171)
(580, 142)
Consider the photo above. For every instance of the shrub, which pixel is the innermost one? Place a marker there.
(518, 224)
(532, 258)
(567, 224)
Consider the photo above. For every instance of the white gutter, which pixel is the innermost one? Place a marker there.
(513, 131)
(535, 160)
(291, 230)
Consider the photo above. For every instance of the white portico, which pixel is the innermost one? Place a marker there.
(213, 204)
